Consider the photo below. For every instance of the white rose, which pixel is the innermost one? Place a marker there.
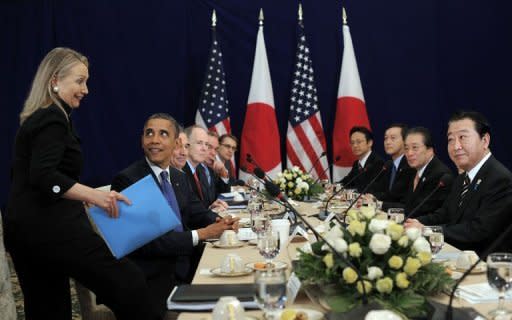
(304, 186)
(380, 243)
(307, 248)
(378, 225)
(298, 181)
(334, 233)
(413, 233)
(421, 245)
(340, 245)
(374, 273)
(368, 212)
(295, 168)
(280, 174)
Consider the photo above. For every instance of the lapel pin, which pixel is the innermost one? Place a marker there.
(477, 184)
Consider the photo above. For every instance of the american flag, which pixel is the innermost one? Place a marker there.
(305, 140)
(213, 110)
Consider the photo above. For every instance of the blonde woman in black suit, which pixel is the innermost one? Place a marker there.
(47, 231)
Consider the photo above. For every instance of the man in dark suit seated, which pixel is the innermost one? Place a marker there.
(428, 170)
(167, 260)
(203, 187)
(361, 141)
(218, 175)
(228, 144)
(180, 153)
(478, 207)
(396, 180)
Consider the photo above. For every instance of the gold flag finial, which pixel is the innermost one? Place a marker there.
(261, 18)
(300, 11)
(344, 16)
(214, 18)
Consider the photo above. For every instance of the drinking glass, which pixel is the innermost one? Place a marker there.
(260, 220)
(499, 275)
(435, 236)
(269, 246)
(270, 291)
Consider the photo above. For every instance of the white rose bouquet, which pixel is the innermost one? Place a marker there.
(395, 266)
(296, 184)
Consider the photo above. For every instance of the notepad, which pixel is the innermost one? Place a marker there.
(199, 297)
(149, 217)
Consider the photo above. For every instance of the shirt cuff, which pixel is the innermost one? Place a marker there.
(226, 180)
(195, 238)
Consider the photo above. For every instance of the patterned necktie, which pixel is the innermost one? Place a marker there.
(170, 196)
(465, 188)
(392, 177)
(416, 181)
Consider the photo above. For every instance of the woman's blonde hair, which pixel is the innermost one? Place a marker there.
(55, 65)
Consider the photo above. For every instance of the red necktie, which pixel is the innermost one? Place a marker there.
(198, 184)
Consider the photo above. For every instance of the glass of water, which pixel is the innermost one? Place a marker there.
(270, 291)
(260, 220)
(435, 236)
(269, 246)
(499, 276)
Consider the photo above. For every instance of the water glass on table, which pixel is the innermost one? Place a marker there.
(270, 291)
(260, 220)
(499, 275)
(269, 246)
(435, 236)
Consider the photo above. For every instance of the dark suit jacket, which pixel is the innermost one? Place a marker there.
(428, 182)
(210, 190)
(373, 165)
(172, 246)
(485, 212)
(404, 176)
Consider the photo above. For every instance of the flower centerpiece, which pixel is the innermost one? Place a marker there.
(393, 264)
(296, 184)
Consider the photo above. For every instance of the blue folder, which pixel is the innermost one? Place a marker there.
(146, 219)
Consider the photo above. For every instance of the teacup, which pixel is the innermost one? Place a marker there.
(232, 263)
(228, 238)
(228, 308)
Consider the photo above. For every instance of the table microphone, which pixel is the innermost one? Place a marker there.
(443, 181)
(385, 167)
(341, 189)
(492, 247)
(328, 168)
(316, 161)
(275, 192)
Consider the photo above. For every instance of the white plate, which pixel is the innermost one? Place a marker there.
(239, 244)
(312, 314)
(277, 265)
(217, 272)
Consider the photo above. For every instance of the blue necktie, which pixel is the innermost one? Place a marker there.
(392, 178)
(169, 195)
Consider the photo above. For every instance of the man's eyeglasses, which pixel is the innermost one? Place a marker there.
(227, 146)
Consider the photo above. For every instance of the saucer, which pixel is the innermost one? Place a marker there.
(218, 272)
(311, 314)
(276, 265)
(480, 268)
(239, 244)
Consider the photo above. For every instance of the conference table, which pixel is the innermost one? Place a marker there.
(213, 256)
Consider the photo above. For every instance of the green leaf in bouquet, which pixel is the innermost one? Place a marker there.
(342, 303)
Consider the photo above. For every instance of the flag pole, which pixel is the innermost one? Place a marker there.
(300, 12)
(261, 18)
(344, 16)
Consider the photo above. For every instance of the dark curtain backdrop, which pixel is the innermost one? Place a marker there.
(418, 60)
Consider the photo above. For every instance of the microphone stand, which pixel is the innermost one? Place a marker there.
(326, 208)
(384, 168)
(439, 185)
(328, 168)
(317, 159)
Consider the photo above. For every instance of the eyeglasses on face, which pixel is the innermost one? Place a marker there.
(228, 146)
